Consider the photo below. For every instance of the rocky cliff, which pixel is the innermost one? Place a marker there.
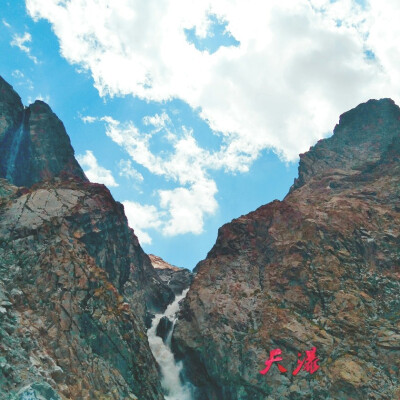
(75, 285)
(177, 279)
(319, 269)
(34, 145)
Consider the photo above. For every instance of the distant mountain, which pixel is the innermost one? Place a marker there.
(315, 274)
(177, 279)
(75, 286)
(320, 269)
(34, 145)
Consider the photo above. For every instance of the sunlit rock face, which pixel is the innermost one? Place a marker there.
(75, 285)
(318, 269)
(33, 143)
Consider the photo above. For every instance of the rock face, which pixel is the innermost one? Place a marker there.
(319, 269)
(177, 279)
(359, 139)
(33, 143)
(164, 328)
(75, 285)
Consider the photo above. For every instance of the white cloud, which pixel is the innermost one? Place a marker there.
(183, 208)
(17, 74)
(22, 80)
(95, 172)
(187, 207)
(45, 98)
(158, 121)
(299, 65)
(126, 169)
(20, 40)
(88, 119)
(294, 72)
(383, 39)
(141, 217)
(5, 23)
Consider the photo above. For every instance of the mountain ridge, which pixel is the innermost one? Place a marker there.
(318, 269)
(34, 139)
(76, 288)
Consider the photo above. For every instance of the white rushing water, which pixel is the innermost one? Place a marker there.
(14, 149)
(170, 370)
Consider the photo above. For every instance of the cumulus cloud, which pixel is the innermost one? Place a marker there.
(20, 42)
(298, 65)
(141, 218)
(183, 208)
(187, 207)
(94, 171)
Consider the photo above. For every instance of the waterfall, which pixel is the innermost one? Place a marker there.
(14, 150)
(171, 381)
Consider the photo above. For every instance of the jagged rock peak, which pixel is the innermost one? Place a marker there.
(177, 279)
(8, 94)
(11, 108)
(361, 137)
(75, 285)
(34, 145)
(319, 269)
(159, 263)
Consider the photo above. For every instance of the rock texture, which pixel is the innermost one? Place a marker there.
(319, 269)
(75, 285)
(33, 143)
(177, 279)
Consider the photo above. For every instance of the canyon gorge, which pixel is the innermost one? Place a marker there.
(85, 313)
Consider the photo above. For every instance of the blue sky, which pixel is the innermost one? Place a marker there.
(194, 113)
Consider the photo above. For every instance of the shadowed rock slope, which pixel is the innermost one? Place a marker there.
(177, 279)
(75, 285)
(34, 145)
(319, 269)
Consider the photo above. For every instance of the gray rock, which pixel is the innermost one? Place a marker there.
(164, 328)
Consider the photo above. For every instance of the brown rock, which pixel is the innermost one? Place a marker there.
(318, 269)
(75, 285)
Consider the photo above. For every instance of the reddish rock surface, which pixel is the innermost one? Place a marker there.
(75, 285)
(159, 263)
(319, 269)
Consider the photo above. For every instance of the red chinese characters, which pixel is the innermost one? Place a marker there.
(309, 362)
(273, 357)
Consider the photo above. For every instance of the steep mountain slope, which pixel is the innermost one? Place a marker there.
(319, 269)
(75, 285)
(34, 145)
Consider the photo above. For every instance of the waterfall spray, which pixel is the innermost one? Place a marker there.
(14, 150)
(171, 380)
